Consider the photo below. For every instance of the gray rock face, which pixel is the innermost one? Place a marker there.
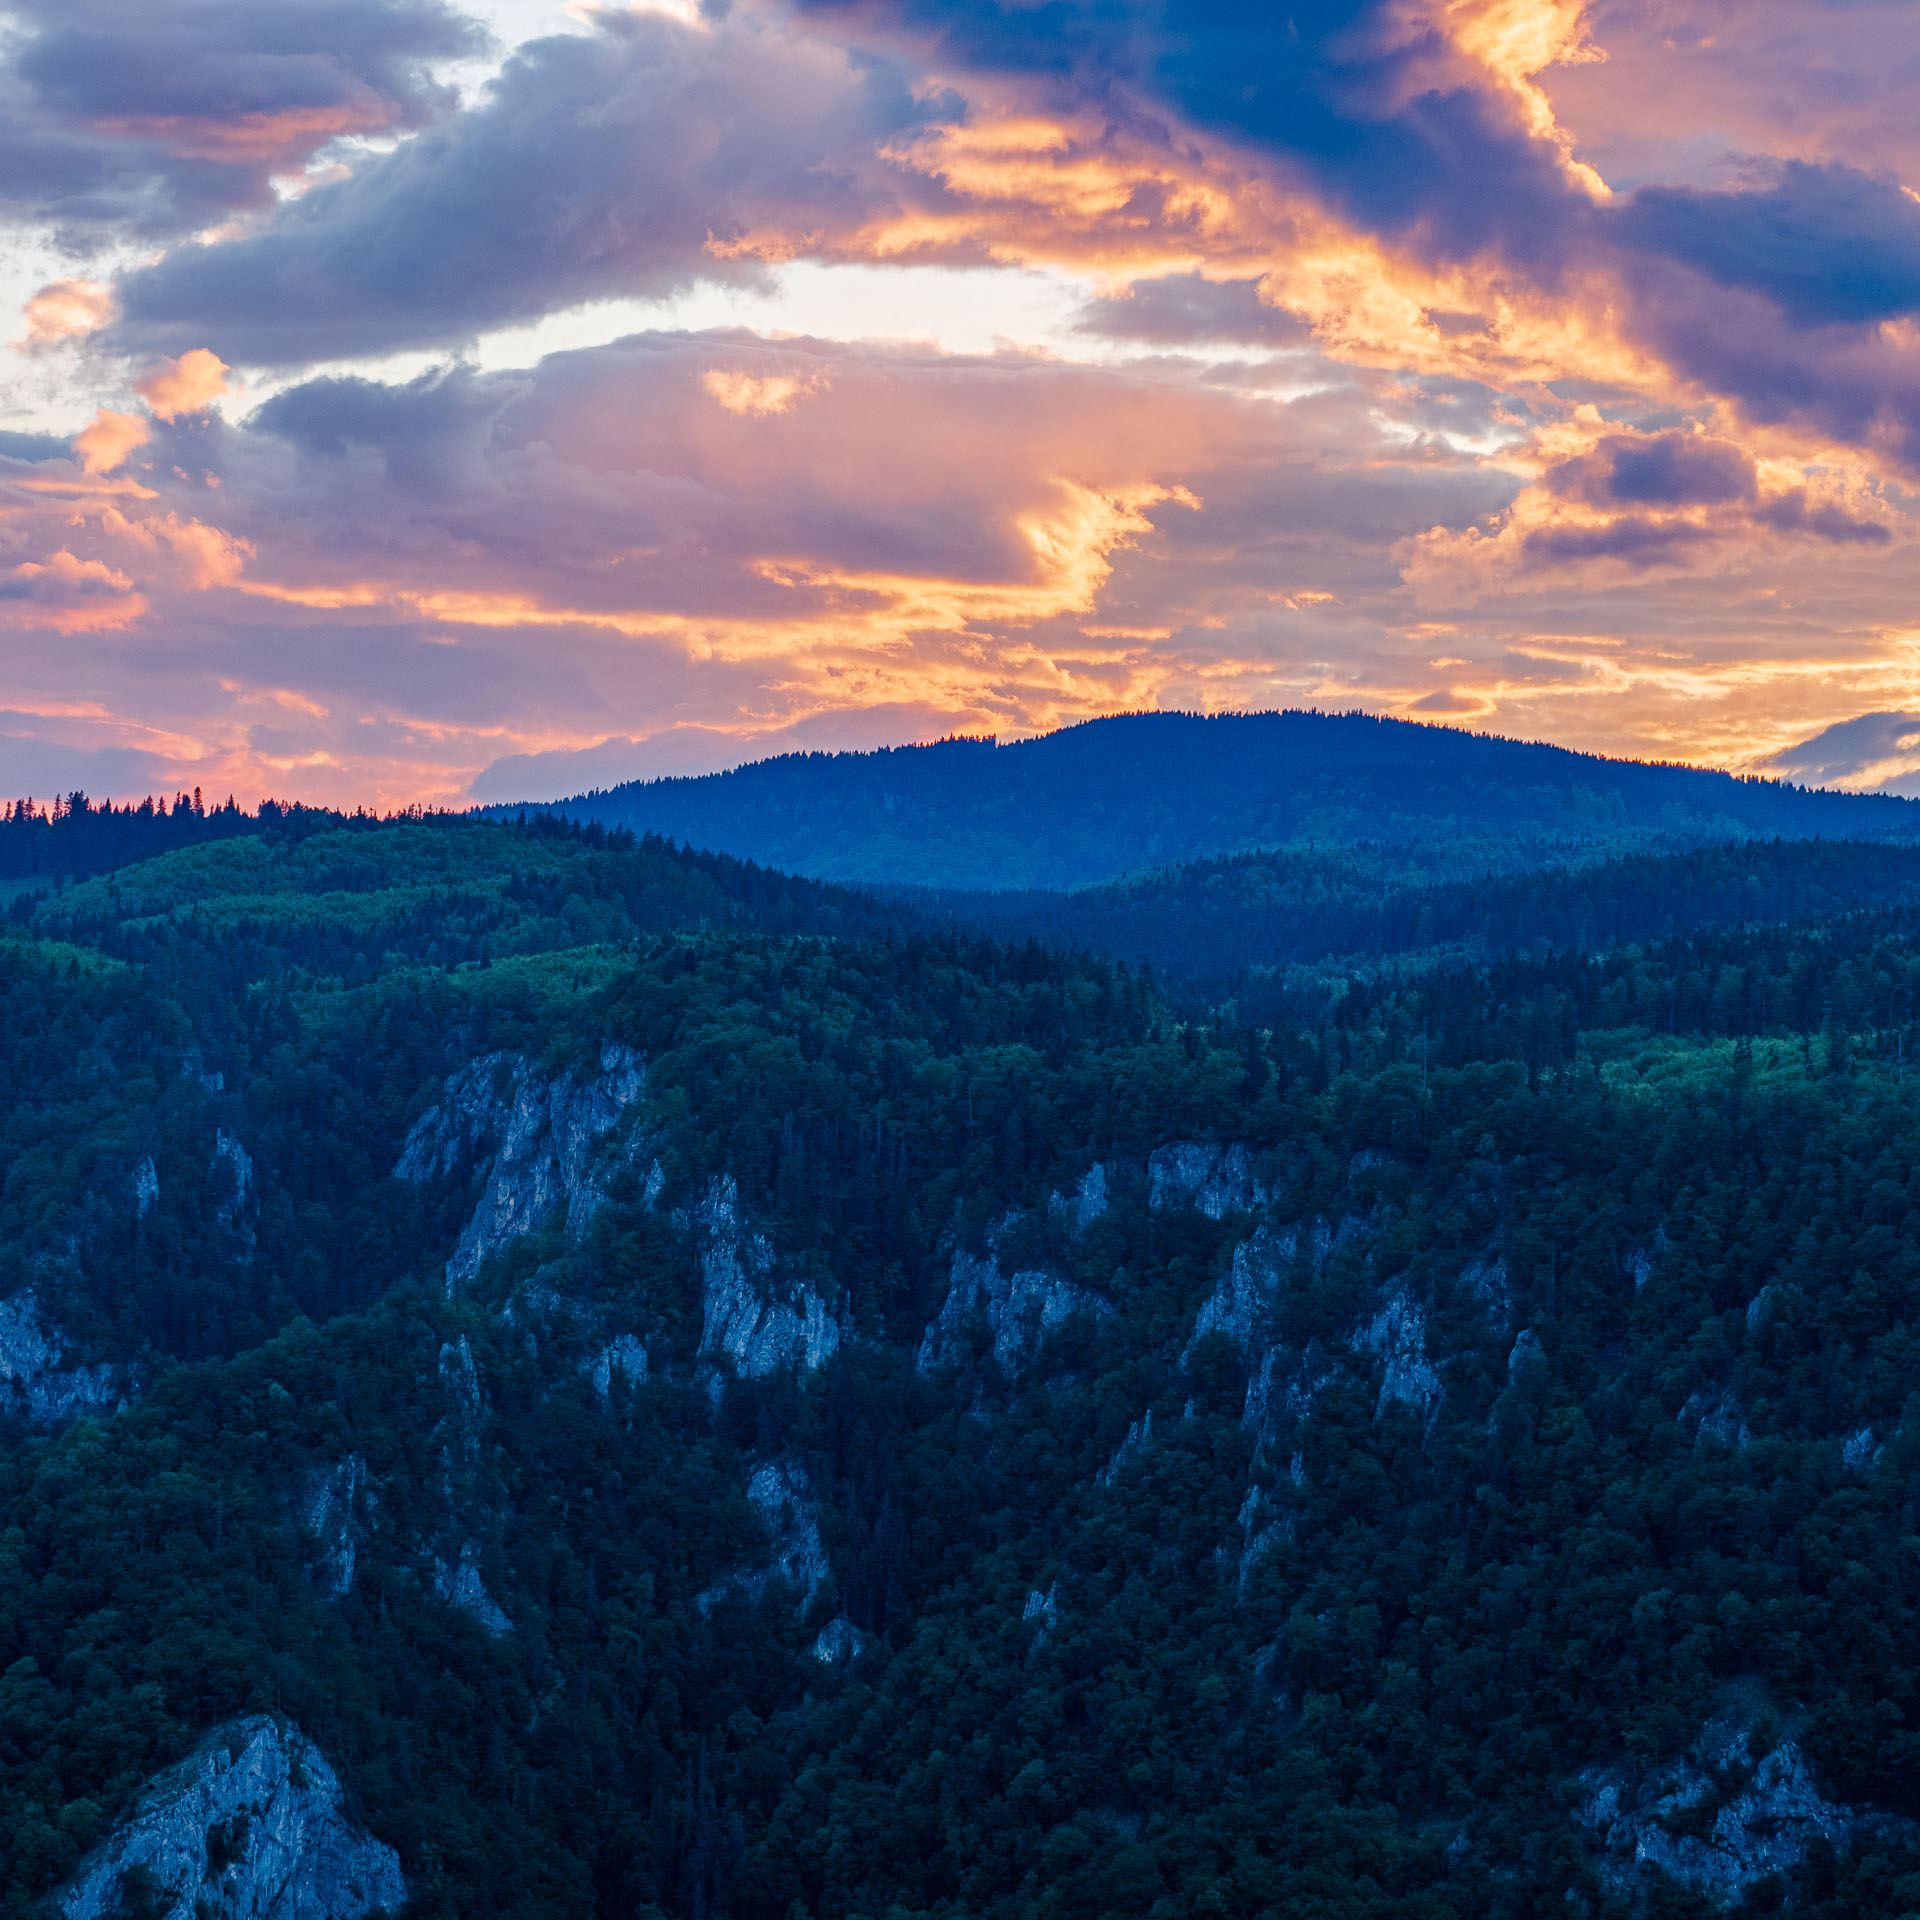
(1487, 1280)
(460, 1384)
(1263, 1526)
(231, 1160)
(1398, 1334)
(536, 1138)
(1139, 1439)
(1718, 1820)
(1193, 1173)
(746, 1311)
(838, 1642)
(622, 1358)
(782, 1496)
(249, 1825)
(1241, 1306)
(35, 1384)
(1087, 1202)
(1020, 1309)
(1042, 1611)
(338, 1510)
(458, 1583)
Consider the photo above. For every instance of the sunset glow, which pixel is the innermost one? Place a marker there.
(1545, 367)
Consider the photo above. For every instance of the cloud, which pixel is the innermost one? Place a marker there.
(66, 594)
(396, 585)
(1872, 753)
(63, 309)
(1433, 416)
(1606, 504)
(186, 385)
(750, 393)
(626, 162)
(1665, 469)
(107, 442)
(1827, 244)
(122, 117)
(1179, 309)
(1407, 121)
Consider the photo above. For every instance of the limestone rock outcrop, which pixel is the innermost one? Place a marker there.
(1088, 1200)
(1020, 1309)
(1216, 1178)
(339, 1509)
(782, 1495)
(762, 1323)
(37, 1382)
(537, 1140)
(250, 1824)
(1398, 1334)
(622, 1358)
(233, 1168)
(458, 1583)
(1719, 1820)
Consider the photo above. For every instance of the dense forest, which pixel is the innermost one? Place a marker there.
(704, 1393)
(1111, 797)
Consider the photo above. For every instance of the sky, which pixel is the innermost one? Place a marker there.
(413, 401)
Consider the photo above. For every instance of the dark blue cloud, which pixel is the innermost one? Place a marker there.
(1661, 469)
(1636, 541)
(1790, 513)
(1851, 749)
(1828, 245)
(1380, 122)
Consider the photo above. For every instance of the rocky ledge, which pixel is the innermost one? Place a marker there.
(37, 1384)
(249, 1824)
(537, 1138)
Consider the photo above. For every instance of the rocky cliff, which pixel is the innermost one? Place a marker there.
(1216, 1178)
(37, 1382)
(747, 1312)
(781, 1494)
(1019, 1308)
(250, 1824)
(1720, 1819)
(534, 1139)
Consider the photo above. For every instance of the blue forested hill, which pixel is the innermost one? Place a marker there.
(1112, 796)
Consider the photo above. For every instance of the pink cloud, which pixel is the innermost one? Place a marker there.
(106, 443)
(63, 310)
(186, 385)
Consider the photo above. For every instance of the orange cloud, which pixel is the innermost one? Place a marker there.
(68, 594)
(747, 393)
(61, 310)
(107, 442)
(185, 385)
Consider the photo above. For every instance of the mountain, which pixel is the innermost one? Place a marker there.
(543, 1374)
(1109, 797)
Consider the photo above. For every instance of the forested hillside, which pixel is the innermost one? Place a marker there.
(1106, 798)
(703, 1394)
(1210, 924)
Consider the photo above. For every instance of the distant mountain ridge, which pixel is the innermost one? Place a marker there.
(1109, 797)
